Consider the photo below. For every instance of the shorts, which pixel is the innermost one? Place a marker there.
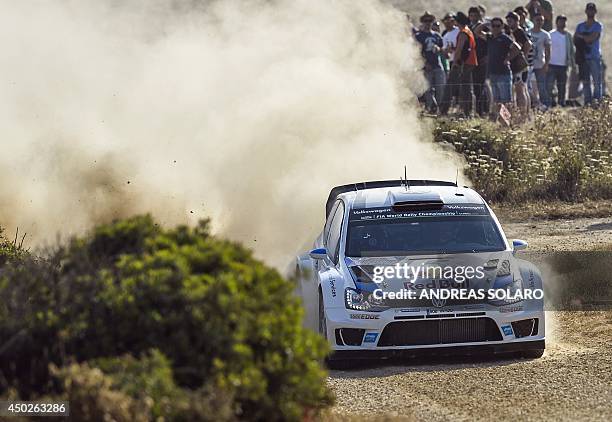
(501, 85)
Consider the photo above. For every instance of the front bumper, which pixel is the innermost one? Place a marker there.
(472, 350)
(422, 331)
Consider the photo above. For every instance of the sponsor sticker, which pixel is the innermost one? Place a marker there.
(364, 316)
(510, 309)
(388, 213)
(370, 338)
(437, 311)
(332, 286)
(507, 329)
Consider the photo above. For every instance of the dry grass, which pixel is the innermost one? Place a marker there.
(553, 210)
(561, 156)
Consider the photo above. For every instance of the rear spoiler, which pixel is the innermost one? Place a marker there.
(377, 184)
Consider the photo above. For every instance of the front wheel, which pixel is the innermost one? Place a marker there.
(532, 354)
(341, 365)
(322, 321)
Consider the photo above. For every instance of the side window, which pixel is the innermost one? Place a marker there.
(332, 213)
(335, 229)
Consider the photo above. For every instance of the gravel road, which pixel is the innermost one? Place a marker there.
(573, 381)
(562, 235)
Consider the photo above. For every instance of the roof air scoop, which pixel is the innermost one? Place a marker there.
(413, 201)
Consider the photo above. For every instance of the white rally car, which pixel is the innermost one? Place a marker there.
(373, 284)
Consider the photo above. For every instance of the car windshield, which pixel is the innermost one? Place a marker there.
(423, 235)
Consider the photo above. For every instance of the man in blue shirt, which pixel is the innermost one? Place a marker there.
(431, 46)
(590, 32)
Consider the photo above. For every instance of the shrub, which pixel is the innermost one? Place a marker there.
(561, 155)
(9, 250)
(92, 397)
(223, 319)
(126, 388)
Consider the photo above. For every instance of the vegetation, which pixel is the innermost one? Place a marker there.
(136, 322)
(561, 155)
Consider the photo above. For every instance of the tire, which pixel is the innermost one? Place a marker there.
(532, 354)
(331, 364)
(322, 320)
(340, 365)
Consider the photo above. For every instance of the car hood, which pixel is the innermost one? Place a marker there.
(433, 271)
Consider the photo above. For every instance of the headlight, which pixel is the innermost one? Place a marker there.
(363, 301)
(504, 269)
(361, 273)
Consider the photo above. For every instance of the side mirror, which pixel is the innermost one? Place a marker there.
(319, 253)
(519, 245)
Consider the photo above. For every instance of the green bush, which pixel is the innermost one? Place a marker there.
(561, 155)
(223, 319)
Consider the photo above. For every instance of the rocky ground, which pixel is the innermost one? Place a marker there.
(572, 381)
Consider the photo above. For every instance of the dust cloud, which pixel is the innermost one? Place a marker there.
(247, 112)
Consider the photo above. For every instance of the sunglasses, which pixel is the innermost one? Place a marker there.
(496, 26)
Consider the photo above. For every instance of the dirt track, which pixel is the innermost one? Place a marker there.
(573, 381)
(563, 234)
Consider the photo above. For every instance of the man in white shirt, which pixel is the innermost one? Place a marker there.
(541, 58)
(561, 58)
(449, 37)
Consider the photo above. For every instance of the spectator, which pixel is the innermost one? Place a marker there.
(445, 64)
(604, 79)
(435, 26)
(561, 58)
(574, 89)
(501, 50)
(449, 36)
(541, 58)
(589, 33)
(525, 23)
(479, 74)
(449, 41)
(483, 13)
(464, 62)
(431, 46)
(520, 72)
(544, 8)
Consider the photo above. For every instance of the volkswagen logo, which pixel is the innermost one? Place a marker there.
(438, 303)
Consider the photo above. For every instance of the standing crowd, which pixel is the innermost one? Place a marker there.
(492, 66)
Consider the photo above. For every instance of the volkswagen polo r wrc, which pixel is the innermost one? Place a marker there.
(418, 267)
